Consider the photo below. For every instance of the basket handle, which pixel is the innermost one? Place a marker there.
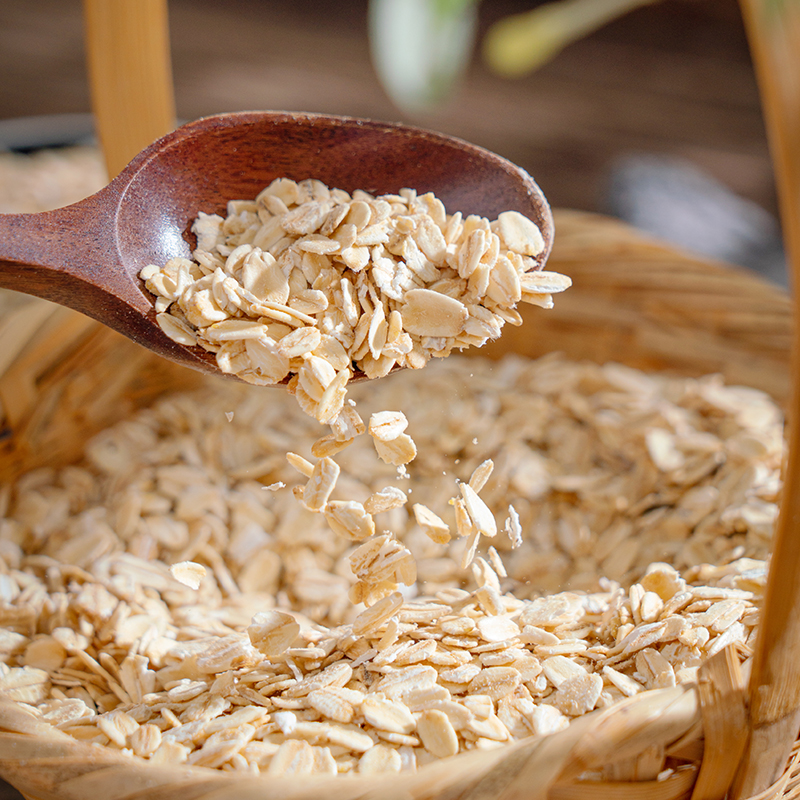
(127, 49)
(773, 29)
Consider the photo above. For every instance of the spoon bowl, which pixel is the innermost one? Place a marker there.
(88, 255)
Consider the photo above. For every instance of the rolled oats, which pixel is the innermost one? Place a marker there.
(349, 519)
(283, 274)
(385, 500)
(269, 666)
(188, 573)
(273, 632)
(387, 425)
(321, 484)
(479, 513)
(437, 733)
(380, 759)
(373, 617)
(293, 757)
(433, 525)
(519, 234)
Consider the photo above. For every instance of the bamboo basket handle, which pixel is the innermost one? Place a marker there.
(773, 29)
(127, 45)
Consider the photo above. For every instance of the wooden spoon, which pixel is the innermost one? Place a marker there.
(88, 255)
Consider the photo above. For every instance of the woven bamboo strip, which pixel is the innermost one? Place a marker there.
(17, 327)
(722, 698)
(677, 787)
(54, 340)
(45, 763)
(657, 717)
(788, 785)
(51, 401)
(774, 35)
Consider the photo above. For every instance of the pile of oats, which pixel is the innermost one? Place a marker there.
(568, 535)
(310, 284)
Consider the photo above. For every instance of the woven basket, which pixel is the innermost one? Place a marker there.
(63, 376)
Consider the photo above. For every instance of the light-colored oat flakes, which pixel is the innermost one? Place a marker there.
(546, 554)
(308, 285)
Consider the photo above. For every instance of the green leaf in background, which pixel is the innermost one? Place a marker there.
(452, 8)
(522, 43)
(421, 48)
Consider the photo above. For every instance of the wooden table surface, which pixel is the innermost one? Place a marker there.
(673, 78)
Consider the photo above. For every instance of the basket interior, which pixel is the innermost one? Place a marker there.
(634, 302)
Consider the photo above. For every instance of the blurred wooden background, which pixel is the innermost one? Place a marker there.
(674, 77)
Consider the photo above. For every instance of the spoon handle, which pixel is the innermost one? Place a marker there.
(66, 256)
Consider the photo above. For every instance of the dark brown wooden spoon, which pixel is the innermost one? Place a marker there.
(88, 255)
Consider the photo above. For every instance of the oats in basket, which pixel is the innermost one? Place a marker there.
(188, 573)
(560, 562)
